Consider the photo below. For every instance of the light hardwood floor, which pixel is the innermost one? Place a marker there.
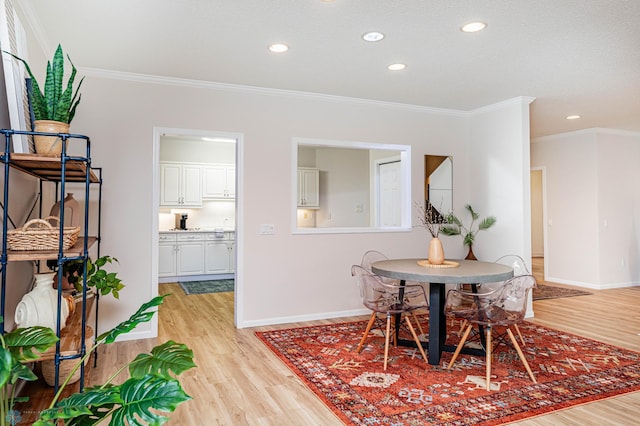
(240, 382)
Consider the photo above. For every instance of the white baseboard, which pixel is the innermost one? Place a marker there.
(591, 285)
(303, 318)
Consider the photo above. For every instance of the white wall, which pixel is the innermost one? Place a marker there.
(500, 184)
(537, 214)
(283, 277)
(592, 206)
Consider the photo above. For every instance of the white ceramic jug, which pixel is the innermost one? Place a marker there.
(39, 306)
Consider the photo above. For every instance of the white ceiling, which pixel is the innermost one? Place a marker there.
(573, 56)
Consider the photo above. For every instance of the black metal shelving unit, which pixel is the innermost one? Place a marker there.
(59, 170)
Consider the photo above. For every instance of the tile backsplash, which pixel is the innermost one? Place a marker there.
(212, 214)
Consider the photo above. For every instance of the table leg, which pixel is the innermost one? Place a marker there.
(437, 322)
(398, 317)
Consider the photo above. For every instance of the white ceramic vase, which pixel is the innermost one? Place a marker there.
(39, 306)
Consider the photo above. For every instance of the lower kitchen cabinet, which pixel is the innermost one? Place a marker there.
(190, 254)
(167, 255)
(196, 253)
(220, 254)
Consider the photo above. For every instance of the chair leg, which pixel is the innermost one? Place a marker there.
(415, 337)
(463, 325)
(460, 345)
(415, 317)
(519, 334)
(521, 355)
(386, 341)
(488, 359)
(366, 331)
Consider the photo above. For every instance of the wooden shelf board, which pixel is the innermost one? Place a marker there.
(75, 250)
(48, 167)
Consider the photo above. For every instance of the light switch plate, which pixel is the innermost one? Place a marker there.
(267, 229)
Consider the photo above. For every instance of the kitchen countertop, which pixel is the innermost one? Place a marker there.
(178, 231)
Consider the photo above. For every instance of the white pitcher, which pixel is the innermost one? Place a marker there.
(39, 306)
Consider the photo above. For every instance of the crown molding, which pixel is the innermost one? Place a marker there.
(237, 88)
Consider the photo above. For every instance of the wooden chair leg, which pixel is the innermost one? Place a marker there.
(463, 325)
(366, 331)
(386, 341)
(460, 345)
(415, 317)
(521, 355)
(488, 359)
(415, 337)
(519, 334)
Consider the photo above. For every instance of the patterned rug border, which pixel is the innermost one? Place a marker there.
(629, 386)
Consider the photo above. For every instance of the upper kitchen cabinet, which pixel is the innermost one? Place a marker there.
(308, 187)
(219, 181)
(180, 185)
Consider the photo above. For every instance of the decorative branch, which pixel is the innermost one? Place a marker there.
(430, 219)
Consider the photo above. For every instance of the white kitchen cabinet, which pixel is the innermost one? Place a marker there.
(219, 181)
(220, 253)
(308, 188)
(167, 255)
(180, 185)
(196, 253)
(190, 254)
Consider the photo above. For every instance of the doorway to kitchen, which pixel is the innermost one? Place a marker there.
(195, 210)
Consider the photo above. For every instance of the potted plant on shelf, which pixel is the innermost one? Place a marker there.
(455, 227)
(151, 390)
(100, 279)
(54, 108)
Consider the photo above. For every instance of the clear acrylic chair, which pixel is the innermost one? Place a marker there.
(372, 256)
(519, 268)
(503, 306)
(391, 300)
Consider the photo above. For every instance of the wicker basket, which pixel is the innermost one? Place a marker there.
(48, 367)
(39, 234)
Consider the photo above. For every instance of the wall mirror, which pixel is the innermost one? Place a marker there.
(344, 186)
(438, 172)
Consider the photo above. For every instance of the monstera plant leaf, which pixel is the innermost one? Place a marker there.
(168, 357)
(143, 314)
(22, 342)
(85, 408)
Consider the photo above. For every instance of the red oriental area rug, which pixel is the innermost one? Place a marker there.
(570, 370)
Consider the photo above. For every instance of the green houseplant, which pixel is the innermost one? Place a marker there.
(455, 226)
(55, 107)
(151, 390)
(98, 278)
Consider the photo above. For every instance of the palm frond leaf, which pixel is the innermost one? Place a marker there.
(487, 223)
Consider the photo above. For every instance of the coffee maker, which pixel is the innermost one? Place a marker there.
(181, 220)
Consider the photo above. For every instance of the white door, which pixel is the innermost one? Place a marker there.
(388, 205)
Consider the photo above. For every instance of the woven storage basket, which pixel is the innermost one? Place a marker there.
(49, 367)
(39, 234)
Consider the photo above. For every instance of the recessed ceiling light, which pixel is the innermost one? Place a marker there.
(572, 117)
(372, 36)
(397, 67)
(278, 48)
(472, 27)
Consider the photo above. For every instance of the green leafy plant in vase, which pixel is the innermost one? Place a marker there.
(98, 278)
(54, 107)
(456, 227)
(151, 390)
